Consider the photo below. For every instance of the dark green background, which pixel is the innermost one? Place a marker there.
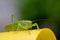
(41, 9)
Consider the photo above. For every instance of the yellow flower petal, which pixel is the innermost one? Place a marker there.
(41, 34)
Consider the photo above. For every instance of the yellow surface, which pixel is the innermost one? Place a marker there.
(41, 34)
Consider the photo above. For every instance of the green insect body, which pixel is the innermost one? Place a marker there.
(21, 25)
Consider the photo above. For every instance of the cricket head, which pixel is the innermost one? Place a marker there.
(25, 23)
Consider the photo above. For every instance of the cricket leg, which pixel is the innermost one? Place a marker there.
(19, 25)
(35, 24)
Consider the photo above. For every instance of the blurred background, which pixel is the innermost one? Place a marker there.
(45, 12)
